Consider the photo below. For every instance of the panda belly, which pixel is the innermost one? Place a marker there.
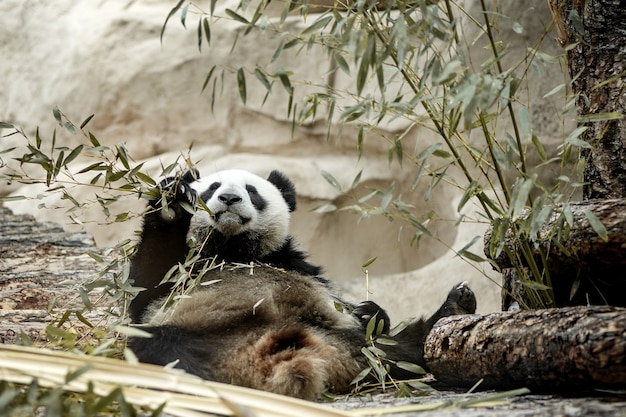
(272, 330)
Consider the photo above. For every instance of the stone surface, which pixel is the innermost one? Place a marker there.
(105, 58)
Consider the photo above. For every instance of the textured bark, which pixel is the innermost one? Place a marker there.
(554, 349)
(597, 67)
(584, 269)
(40, 268)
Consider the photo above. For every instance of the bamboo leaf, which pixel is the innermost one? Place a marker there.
(75, 152)
(170, 14)
(369, 262)
(207, 30)
(599, 117)
(237, 17)
(572, 138)
(521, 191)
(596, 225)
(411, 367)
(284, 79)
(87, 120)
(183, 16)
(317, 25)
(331, 180)
(241, 83)
(325, 208)
(208, 78)
(260, 75)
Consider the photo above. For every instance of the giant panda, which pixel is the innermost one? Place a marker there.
(263, 316)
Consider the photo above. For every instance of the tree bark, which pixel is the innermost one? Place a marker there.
(548, 350)
(594, 34)
(41, 269)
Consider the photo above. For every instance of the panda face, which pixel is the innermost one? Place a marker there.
(244, 205)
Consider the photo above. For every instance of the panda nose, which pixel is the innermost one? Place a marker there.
(229, 198)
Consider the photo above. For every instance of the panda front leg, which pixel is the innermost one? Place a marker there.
(410, 341)
(163, 242)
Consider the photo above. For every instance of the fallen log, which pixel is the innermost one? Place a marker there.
(570, 348)
(42, 267)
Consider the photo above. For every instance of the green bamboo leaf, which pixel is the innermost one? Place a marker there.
(599, 117)
(199, 35)
(383, 340)
(572, 138)
(539, 147)
(411, 367)
(278, 51)
(87, 120)
(93, 140)
(359, 142)
(208, 78)
(343, 64)
(317, 25)
(260, 75)
(369, 329)
(331, 180)
(284, 79)
(69, 126)
(207, 30)
(57, 114)
(122, 154)
(534, 285)
(12, 198)
(325, 208)
(365, 372)
(356, 180)
(525, 120)
(75, 152)
(236, 16)
(170, 14)
(183, 16)
(5, 125)
(521, 191)
(471, 256)
(554, 90)
(369, 262)
(596, 225)
(241, 83)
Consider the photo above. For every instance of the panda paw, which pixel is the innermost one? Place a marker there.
(462, 299)
(364, 312)
(178, 190)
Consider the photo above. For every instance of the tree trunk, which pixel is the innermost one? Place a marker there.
(550, 350)
(594, 32)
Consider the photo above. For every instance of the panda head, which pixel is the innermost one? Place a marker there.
(247, 217)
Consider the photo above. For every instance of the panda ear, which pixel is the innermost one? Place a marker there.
(285, 186)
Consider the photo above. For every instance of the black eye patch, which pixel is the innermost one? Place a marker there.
(257, 201)
(206, 195)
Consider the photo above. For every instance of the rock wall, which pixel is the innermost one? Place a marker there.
(105, 58)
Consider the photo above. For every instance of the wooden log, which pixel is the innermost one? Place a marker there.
(583, 267)
(568, 348)
(41, 266)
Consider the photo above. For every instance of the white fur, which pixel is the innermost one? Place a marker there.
(271, 225)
